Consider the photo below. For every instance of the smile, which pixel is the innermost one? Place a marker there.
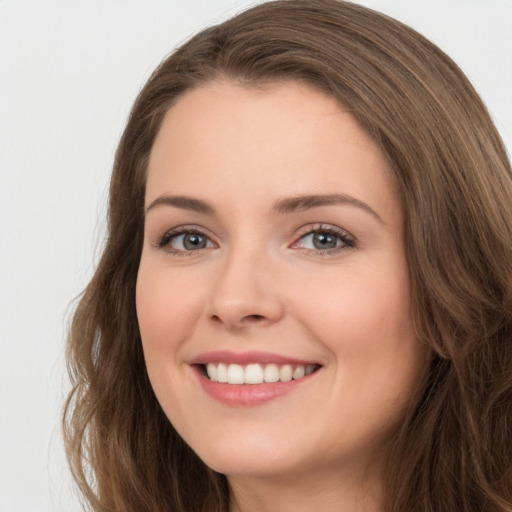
(251, 378)
(256, 373)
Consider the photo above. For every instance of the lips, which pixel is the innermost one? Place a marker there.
(250, 378)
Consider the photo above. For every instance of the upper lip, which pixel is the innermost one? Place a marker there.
(242, 358)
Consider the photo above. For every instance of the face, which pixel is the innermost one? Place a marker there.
(273, 293)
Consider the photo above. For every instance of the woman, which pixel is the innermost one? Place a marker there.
(305, 299)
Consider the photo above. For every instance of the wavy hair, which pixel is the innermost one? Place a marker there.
(452, 452)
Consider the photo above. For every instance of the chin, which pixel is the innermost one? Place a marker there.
(249, 456)
(256, 466)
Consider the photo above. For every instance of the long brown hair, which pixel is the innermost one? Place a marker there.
(453, 451)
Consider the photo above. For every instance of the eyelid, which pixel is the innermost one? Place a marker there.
(349, 241)
(163, 241)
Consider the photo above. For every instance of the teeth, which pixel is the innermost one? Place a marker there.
(299, 372)
(222, 373)
(235, 374)
(253, 374)
(310, 368)
(211, 370)
(286, 373)
(256, 373)
(271, 373)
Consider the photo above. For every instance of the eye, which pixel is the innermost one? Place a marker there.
(184, 241)
(325, 239)
(321, 240)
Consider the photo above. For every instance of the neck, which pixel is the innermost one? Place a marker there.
(325, 490)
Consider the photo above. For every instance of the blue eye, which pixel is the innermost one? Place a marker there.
(185, 241)
(325, 240)
(190, 241)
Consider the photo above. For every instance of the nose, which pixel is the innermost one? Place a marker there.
(244, 293)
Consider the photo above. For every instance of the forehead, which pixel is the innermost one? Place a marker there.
(281, 139)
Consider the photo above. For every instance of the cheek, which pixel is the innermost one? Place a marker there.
(365, 323)
(364, 319)
(360, 307)
(168, 307)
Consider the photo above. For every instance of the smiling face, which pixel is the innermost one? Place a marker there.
(273, 251)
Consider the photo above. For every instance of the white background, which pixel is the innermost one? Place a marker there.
(69, 72)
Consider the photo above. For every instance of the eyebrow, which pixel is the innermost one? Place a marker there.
(281, 206)
(183, 202)
(301, 203)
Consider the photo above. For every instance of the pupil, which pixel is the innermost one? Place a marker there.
(194, 241)
(324, 241)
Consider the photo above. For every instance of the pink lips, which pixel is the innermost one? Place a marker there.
(225, 356)
(245, 394)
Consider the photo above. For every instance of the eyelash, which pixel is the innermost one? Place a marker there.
(165, 241)
(347, 240)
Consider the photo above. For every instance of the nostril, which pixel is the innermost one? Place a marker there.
(239, 321)
(254, 318)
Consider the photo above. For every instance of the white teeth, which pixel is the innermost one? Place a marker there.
(222, 373)
(235, 374)
(253, 374)
(286, 373)
(257, 374)
(211, 370)
(299, 372)
(271, 373)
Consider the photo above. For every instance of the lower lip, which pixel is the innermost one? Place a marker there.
(248, 394)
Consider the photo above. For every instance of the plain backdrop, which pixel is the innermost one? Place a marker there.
(69, 72)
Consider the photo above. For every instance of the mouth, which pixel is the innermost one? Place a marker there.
(256, 373)
(251, 378)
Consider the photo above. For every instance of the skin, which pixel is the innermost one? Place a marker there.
(261, 284)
